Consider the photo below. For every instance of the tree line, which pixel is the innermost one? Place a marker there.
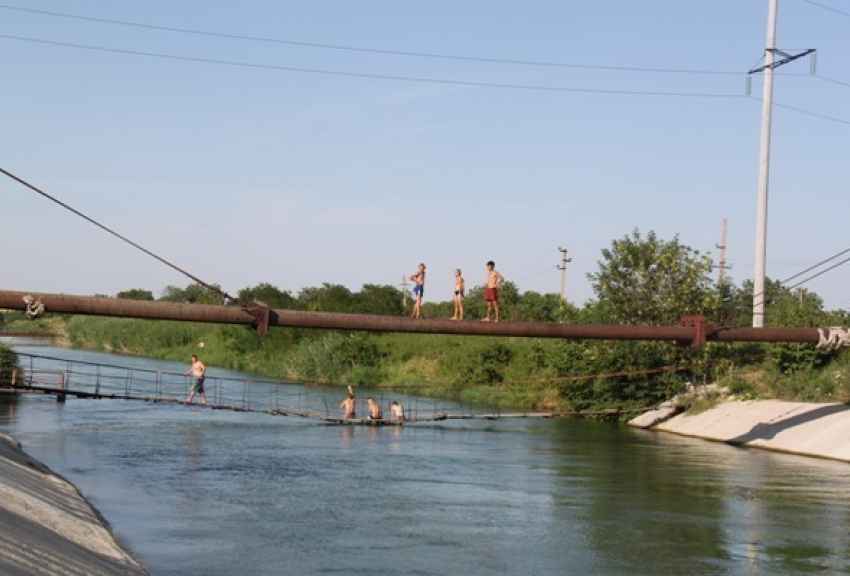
(640, 279)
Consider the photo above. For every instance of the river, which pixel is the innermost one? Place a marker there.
(196, 491)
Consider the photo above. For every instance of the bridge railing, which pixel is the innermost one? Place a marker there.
(103, 380)
(96, 380)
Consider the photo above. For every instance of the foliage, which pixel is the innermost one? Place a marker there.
(191, 294)
(8, 362)
(136, 294)
(328, 357)
(132, 336)
(378, 299)
(271, 295)
(653, 281)
(787, 309)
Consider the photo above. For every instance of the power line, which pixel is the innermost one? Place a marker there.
(390, 52)
(806, 112)
(832, 80)
(810, 113)
(821, 273)
(117, 235)
(830, 8)
(370, 76)
(818, 76)
(809, 269)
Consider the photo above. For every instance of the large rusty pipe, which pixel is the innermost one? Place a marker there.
(99, 306)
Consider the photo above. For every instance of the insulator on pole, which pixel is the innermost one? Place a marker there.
(813, 63)
(749, 89)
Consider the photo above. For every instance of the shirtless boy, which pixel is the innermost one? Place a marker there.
(418, 279)
(374, 409)
(348, 405)
(198, 371)
(491, 292)
(396, 412)
(460, 290)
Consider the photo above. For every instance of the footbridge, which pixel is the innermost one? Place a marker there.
(60, 377)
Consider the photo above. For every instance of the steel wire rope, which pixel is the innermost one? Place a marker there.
(385, 51)
(117, 235)
(341, 73)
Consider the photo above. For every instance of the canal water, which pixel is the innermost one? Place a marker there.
(193, 491)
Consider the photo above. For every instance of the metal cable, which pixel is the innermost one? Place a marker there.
(206, 285)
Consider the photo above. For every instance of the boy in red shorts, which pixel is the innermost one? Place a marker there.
(491, 291)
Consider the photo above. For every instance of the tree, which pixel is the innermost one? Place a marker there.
(653, 281)
(536, 307)
(273, 296)
(328, 298)
(136, 294)
(385, 300)
(191, 294)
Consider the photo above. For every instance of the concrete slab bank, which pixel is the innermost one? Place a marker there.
(821, 430)
(48, 527)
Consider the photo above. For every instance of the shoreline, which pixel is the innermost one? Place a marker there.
(817, 430)
(48, 527)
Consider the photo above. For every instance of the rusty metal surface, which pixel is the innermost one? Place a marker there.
(19, 334)
(87, 305)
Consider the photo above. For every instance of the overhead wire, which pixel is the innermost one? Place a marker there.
(807, 270)
(407, 53)
(816, 76)
(811, 113)
(369, 75)
(444, 81)
(820, 273)
(830, 8)
(116, 234)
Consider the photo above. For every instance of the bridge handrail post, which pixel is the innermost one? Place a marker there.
(60, 398)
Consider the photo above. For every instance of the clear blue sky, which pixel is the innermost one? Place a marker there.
(248, 174)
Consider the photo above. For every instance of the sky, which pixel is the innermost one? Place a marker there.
(312, 141)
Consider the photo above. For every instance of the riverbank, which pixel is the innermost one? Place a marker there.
(48, 527)
(809, 429)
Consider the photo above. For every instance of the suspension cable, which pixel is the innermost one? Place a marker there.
(206, 285)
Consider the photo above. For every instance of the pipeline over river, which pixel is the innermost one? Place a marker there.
(693, 330)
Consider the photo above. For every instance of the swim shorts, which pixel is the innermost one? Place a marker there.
(491, 294)
(198, 386)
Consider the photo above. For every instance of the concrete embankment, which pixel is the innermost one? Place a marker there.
(48, 527)
(821, 430)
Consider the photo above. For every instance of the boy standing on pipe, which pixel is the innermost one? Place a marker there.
(491, 292)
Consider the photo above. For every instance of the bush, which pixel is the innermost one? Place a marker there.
(8, 363)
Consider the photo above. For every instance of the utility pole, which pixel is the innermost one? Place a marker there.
(759, 295)
(722, 265)
(404, 293)
(764, 170)
(563, 268)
